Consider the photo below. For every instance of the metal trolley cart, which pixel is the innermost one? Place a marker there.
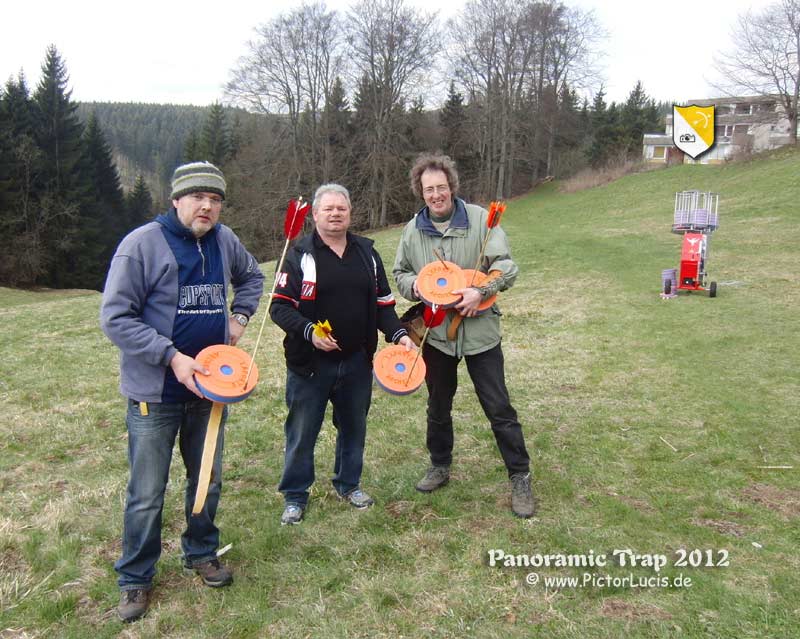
(696, 218)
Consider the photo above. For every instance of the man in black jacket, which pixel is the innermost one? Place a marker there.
(335, 276)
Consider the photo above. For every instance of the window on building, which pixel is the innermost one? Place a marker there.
(659, 152)
(741, 129)
(744, 108)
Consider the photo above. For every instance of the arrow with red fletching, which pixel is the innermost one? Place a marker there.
(296, 212)
(496, 210)
(295, 216)
(432, 316)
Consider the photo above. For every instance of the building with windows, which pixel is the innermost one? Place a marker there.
(742, 124)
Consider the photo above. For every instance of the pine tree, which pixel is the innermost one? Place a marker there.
(139, 203)
(68, 218)
(215, 139)
(608, 141)
(418, 136)
(585, 120)
(338, 135)
(235, 138)
(20, 164)
(59, 129)
(23, 253)
(191, 148)
(568, 131)
(17, 111)
(636, 118)
(106, 208)
(453, 121)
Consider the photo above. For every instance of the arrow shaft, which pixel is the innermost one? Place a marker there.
(264, 319)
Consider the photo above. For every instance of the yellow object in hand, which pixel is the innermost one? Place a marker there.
(323, 329)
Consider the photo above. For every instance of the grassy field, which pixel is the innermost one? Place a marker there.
(650, 423)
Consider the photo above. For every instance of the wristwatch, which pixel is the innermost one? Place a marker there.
(241, 318)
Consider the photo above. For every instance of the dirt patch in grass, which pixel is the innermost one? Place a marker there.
(111, 550)
(784, 502)
(619, 609)
(723, 527)
(410, 511)
(397, 509)
(12, 563)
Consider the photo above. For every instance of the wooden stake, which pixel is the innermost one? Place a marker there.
(207, 463)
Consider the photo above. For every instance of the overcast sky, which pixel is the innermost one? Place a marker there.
(173, 51)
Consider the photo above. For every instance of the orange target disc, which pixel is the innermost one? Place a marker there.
(227, 367)
(479, 279)
(436, 282)
(392, 369)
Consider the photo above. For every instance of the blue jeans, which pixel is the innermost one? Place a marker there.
(150, 442)
(348, 386)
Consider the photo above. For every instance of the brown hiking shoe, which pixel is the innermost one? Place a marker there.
(133, 604)
(521, 497)
(435, 477)
(213, 573)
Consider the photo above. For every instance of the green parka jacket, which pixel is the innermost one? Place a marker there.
(461, 243)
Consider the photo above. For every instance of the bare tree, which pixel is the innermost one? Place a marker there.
(764, 59)
(515, 58)
(289, 70)
(570, 43)
(391, 46)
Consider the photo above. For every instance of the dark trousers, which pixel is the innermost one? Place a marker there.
(488, 377)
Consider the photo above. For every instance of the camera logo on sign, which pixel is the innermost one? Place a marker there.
(693, 129)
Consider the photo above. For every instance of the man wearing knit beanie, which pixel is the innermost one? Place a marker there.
(165, 300)
(197, 176)
(198, 189)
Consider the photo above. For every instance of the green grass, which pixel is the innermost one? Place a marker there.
(648, 422)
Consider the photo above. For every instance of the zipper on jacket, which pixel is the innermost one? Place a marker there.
(202, 256)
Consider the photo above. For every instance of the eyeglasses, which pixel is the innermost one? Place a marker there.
(430, 190)
(197, 196)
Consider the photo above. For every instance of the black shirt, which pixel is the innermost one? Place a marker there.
(343, 295)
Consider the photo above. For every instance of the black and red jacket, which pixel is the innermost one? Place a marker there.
(294, 303)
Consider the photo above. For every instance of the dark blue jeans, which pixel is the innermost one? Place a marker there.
(348, 386)
(488, 377)
(151, 438)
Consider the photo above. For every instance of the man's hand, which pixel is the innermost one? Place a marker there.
(184, 368)
(415, 289)
(235, 330)
(408, 343)
(324, 343)
(470, 300)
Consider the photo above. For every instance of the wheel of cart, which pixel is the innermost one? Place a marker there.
(668, 287)
(712, 289)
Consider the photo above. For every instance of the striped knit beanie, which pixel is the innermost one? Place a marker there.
(197, 176)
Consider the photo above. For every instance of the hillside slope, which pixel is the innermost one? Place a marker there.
(661, 426)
